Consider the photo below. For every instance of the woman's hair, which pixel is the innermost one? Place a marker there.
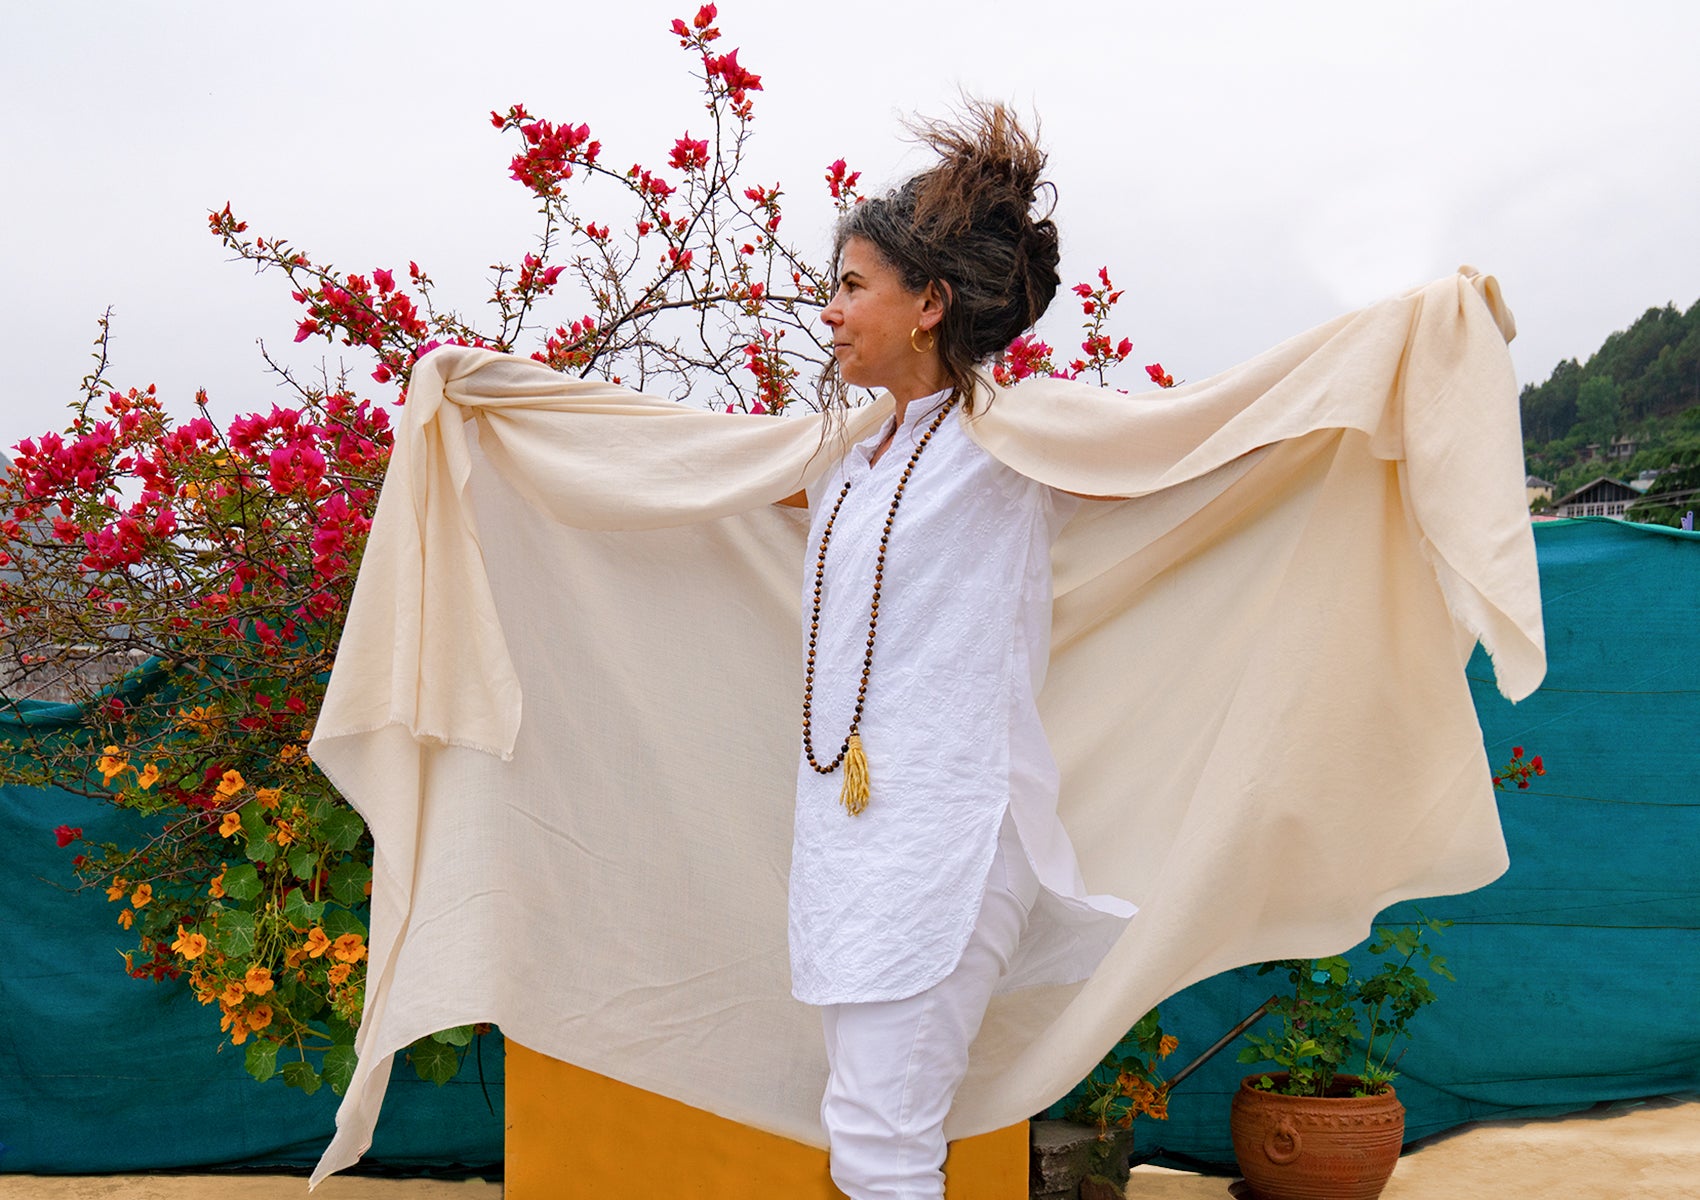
(967, 226)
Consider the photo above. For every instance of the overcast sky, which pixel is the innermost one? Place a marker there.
(1246, 170)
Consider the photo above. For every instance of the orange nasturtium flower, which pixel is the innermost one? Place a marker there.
(283, 833)
(125, 918)
(268, 797)
(231, 823)
(317, 942)
(112, 763)
(140, 897)
(1167, 1045)
(259, 1016)
(189, 945)
(117, 888)
(215, 889)
(234, 993)
(349, 948)
(202, 718)
(338, 973)
(148, 777)
(238, 1031)
(258, 980)
(231, 783)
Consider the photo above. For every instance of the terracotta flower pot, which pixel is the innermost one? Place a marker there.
(1333, 1147)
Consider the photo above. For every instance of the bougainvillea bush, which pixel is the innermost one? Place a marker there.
(183, 581)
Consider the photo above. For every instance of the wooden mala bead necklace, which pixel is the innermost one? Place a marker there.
(854, 795)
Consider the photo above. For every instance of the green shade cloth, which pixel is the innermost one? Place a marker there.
(1577, 968)
(100, 1072)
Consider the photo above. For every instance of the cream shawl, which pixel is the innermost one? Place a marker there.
(567, 695)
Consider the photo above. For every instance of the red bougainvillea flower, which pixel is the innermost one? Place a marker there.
(66, 834)
(688, 154)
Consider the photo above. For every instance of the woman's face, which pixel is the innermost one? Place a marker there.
(872, 316)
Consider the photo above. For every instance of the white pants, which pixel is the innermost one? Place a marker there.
(895, 1064)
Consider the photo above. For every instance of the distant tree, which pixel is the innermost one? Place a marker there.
(1599, 409)
(1676, 491)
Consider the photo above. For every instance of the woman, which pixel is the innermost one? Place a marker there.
(1277, 619)
(909, 896)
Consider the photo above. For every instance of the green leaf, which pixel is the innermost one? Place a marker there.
(433, 1061)
(241, 882)
(300, 911)
(303, 863)
(342, 829)
(301, 1075)
(236, 932)
(261, 1059)
(460, 1035)
(339, 1067)
(348, 882)
(339, 921)
(261, 851)
(253, 820)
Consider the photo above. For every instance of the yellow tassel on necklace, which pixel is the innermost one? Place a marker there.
(854, 796)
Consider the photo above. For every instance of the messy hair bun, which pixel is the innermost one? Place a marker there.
(968, 226)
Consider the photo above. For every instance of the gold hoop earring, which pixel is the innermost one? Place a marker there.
(932, 340)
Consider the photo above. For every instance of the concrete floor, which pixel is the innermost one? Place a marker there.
(1647, 1151)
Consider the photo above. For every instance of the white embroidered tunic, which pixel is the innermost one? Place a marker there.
(882, 903)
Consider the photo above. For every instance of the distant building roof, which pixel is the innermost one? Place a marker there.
(1602, 490)
(1536, 481)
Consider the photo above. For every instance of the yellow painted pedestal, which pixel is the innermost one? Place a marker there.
(575, 1135)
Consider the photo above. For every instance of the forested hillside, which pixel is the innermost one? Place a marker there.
(1641, 387)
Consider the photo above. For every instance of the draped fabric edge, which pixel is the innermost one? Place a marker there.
(1424, 376)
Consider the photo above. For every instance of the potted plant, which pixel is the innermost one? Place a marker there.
(1309, 1129)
